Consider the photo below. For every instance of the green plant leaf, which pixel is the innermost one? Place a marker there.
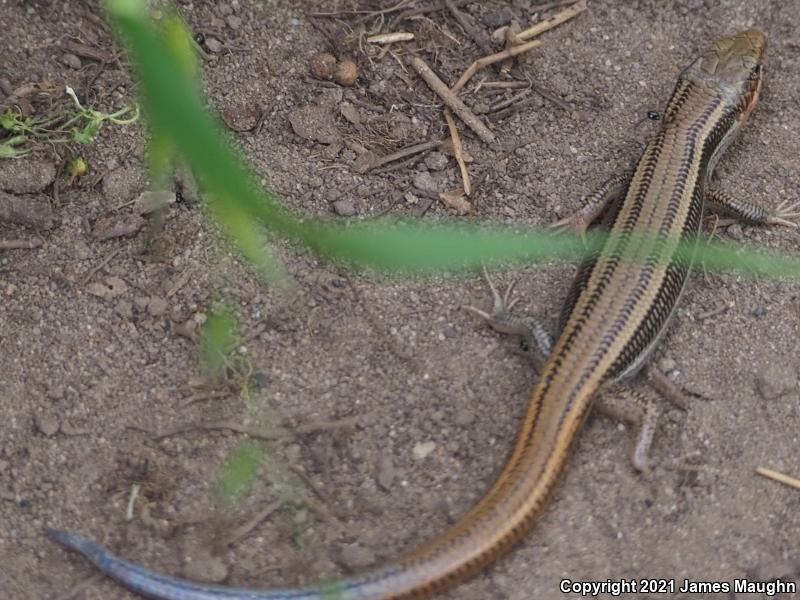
(239, 471)
(218, 341)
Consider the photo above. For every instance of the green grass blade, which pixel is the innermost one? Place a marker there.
(176, 114)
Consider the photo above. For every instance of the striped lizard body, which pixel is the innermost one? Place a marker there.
(621, 303)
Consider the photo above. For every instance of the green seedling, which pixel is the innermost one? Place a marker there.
(239, 472)
(80, 127)
(92, 120)
(8, 150)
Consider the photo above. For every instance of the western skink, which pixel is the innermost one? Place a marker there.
(621, 302)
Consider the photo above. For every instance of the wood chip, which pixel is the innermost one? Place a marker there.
(457, 200)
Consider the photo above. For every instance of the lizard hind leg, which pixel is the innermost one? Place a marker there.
(501, 319)
(631, 406)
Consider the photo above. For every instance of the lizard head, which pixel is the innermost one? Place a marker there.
(733, 66)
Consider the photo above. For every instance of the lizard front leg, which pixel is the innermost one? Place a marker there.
(593, 206)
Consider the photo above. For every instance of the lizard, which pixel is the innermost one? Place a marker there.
(621, 303)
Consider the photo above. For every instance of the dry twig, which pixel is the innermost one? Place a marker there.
(378, 161)
(85, 51)
(492, 59)
(510, 101)
(458, 151)
(452, 101)
(390, 38)
(85, 279)
(779, 477)
(244, 529)
(19, 244)
(554, 21)
(557, 19)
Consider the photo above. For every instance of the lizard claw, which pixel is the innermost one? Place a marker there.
(786, 213)
(500, 304)
(576, 223)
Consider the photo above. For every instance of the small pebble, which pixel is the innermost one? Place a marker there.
(71, 61)
(157, 306)
(80, 250)
(293, 453)
(47, 424)
(423, 450)
(424, 181)
(735, 231)
(56, 393)
(436, 161)
(124, 309)
(481, 108)
(233, 21)
(300, 516)
(141, 302)
(344, 208)
(666, 365)
(776, 380)
(186, 329)
(464, 417)
(205, 567)
(350, 113)
(213, 45)
(356, 557)
(6, 87)
(260, 380)
(498, 18)
(386, 472)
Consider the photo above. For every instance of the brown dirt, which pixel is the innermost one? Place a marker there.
(79, 369)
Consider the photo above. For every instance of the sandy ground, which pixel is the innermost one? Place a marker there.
(94, 333)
